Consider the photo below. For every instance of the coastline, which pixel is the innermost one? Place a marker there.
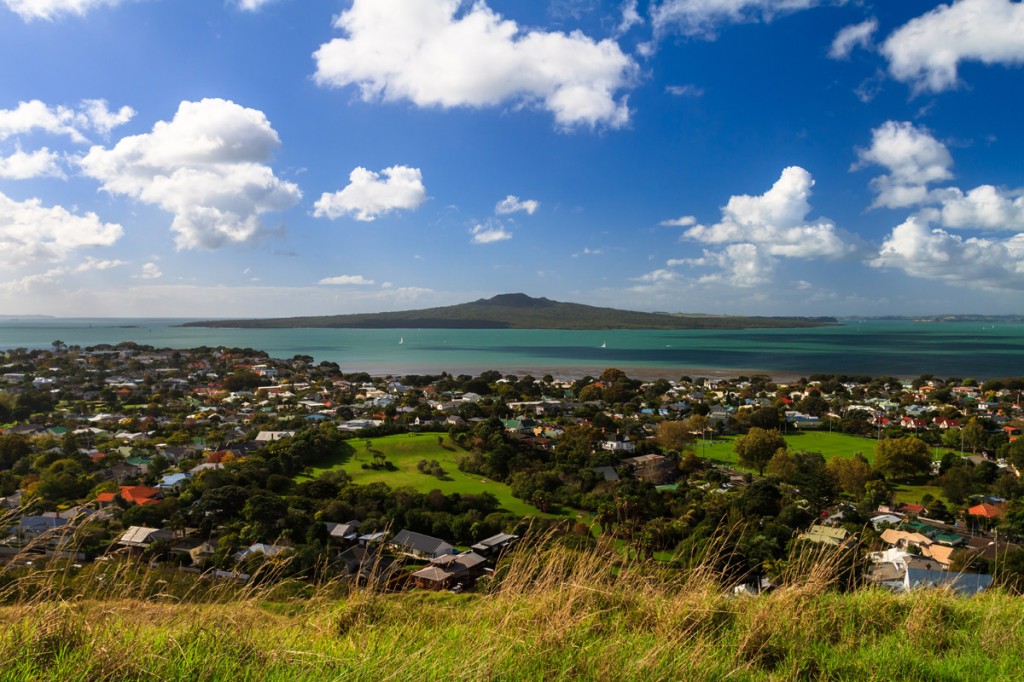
(572, 373)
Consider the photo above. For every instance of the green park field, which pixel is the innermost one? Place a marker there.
(828, 444)
(405, 451)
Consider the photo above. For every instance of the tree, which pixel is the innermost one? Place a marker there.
(900, 458)
(851, 473)
(576, 446)
(673, 435)
(956, 483)
(974, 435)
(765, 418)
(758, 447)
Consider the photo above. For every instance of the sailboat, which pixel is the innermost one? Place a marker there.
(401, 340)
(604, 344)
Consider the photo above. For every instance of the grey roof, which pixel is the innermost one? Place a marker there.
(39, 524)
(422, 544)
(345, 531)
(964, 583)
(432, 573)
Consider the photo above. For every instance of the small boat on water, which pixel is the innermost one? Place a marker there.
(604, 344)
(401, 340)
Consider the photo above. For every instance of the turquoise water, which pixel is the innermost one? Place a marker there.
(870, 347)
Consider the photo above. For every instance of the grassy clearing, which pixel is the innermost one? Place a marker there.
(828, 444)
(555, 615)
(405, 451)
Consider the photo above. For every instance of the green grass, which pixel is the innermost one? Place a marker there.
(556, 615)
(829, 445)
(405, 451)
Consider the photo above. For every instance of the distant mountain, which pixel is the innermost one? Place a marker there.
(519, 311)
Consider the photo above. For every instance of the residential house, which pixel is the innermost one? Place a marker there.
(140, 537)
(343, 533)
(494, 545)
(419, 546)
(449, 570)
(826, 535)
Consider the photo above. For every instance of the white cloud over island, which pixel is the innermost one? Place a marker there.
(371, 195)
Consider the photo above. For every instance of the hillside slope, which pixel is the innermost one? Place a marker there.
(519, 311)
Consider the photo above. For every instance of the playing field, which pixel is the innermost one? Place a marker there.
(405, 451)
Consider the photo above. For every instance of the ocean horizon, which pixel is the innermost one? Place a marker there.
(855, 347)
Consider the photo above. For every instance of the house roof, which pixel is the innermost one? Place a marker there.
(826, 535)
(140, 536)
(964, 583)
(140, 494)
(940, 553)
(346, 531)
(495, 541)
(989, 511)
(432, 574)
(893, 537)
(424, 544)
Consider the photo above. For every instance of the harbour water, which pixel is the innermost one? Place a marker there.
(872, 347)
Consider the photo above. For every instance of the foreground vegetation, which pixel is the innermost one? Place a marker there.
(551, 613)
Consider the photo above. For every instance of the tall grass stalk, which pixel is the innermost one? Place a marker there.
(548, 613)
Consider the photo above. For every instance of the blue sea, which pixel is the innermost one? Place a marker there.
(874, 347)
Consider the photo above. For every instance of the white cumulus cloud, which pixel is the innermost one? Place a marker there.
(914, 159)
(347, 280)
(369, 196)
(489, 234)
(777, 221)
(51, 9)
(681, 221)
(512, 204)
(703, 18)
(97, 264)
(207, 166)
(90, 114)
(446, 53)
(927, 50)
(253, 5)
(855, 35)
(151, 270)
(33, 233)
(930, 253)
(26, 165)
(985, 207)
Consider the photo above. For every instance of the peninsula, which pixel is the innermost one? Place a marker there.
(519, 311)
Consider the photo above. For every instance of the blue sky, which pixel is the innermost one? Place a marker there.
(196, 158)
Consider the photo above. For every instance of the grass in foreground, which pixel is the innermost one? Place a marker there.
(556, 615)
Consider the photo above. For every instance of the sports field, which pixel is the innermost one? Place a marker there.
(405, 451)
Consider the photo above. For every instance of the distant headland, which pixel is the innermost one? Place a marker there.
(519, 311)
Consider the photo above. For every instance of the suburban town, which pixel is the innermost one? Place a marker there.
(232, 465)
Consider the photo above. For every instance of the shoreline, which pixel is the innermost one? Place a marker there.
(574, 372)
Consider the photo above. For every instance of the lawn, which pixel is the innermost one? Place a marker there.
(405, 451)
(829, 445)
